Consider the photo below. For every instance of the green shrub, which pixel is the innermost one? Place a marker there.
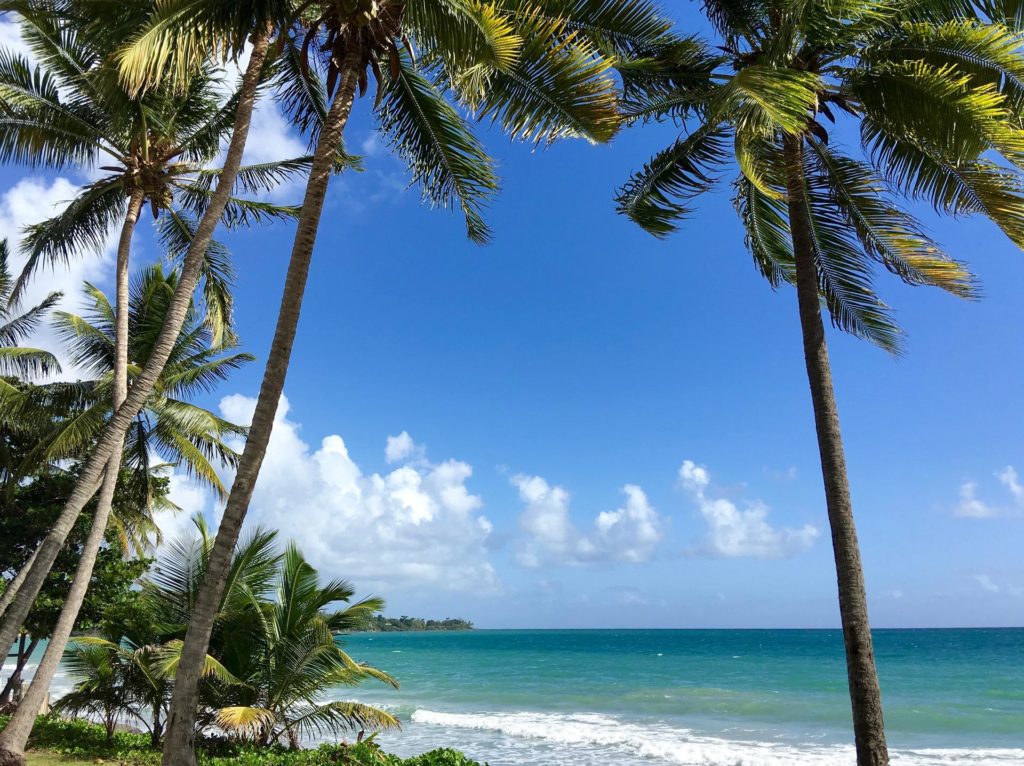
(83, 740)
(443, 756)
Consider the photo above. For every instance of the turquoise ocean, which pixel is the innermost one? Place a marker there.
(701, 697)
(690, 697)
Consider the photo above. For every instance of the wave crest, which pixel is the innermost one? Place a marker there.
(680, 746)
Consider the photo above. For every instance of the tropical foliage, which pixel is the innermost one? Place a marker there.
(68, 109)
(80, 740)
(170, 430)
(17, 361)
(274, 656)
(934, 92)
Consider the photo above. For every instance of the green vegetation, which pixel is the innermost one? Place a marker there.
(275, 652)
(380, 623)
(236, 635)
(935, 89)
(57, 741)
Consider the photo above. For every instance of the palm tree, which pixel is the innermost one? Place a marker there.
(132, 664)
(19, 362)
(169, 430)
(939, 107)
(15, 326)
(110, 684)
(536, 70)
(274, 653)
(181, 433)
(117, 20)
(286, 656)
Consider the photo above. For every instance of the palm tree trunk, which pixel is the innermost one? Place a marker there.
(14, 585)
(157, 732)
(865, 693)
(112, 437)
(23, 654)
(15, 735)
(180, 731)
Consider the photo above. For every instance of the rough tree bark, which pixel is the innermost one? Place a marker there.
(179, 741)
(14, 585)
(865, 692)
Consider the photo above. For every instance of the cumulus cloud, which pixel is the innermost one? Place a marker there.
(403, 448)
(628, 534)
(972, 507)
(29, 201)
(734, 532)
(418, 525)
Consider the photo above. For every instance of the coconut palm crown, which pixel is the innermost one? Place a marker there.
(936, 95)
(938, 104)
(170, 429)
(152, 149)
(539, 70)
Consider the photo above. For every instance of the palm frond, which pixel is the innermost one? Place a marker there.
(446, 160)
(657, 196)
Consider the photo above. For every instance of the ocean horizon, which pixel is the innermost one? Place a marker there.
(707, 697)
(690, 697)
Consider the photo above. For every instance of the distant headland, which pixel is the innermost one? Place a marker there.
(381, 624)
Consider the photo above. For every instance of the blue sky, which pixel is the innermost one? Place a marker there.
(552, 385)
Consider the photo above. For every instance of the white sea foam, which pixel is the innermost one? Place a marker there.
(661, 742)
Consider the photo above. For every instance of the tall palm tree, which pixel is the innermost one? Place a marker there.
(118, 19)
(180, 432)
(939, 106)
(535, 69)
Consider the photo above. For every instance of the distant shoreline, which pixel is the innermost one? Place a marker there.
(404, 624)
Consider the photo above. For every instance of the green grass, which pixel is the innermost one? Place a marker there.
(46, 758)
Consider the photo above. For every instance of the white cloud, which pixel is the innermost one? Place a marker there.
(190, 497)
(629, 534)
(733, 532)
(418, 526)
(30, 200)
(402, 447)
(1008, 477)
(986, 583)
(370, 145)
(972, 507)
(10, 40)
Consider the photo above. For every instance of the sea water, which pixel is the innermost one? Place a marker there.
(689, 697)
(701, 697)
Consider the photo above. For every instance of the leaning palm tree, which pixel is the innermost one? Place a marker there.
(939, 105)
(534, 68)
(119, 19)
(181, 433)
